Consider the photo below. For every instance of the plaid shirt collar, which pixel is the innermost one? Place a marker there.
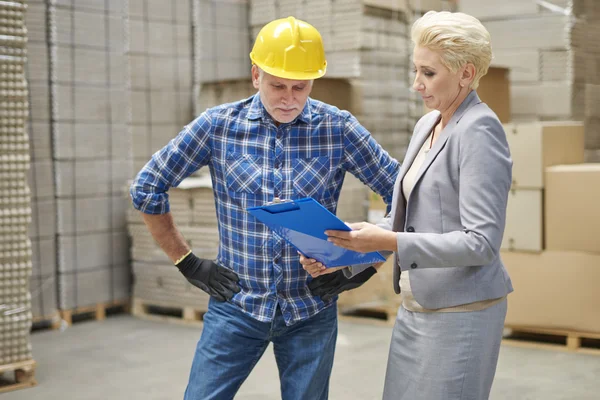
(258, 111)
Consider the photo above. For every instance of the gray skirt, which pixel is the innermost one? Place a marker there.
(444, 356)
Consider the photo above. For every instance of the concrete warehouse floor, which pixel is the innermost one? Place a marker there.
(127, 358)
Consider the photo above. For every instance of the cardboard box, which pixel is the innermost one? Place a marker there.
(537, 145)
(571, 208)
(524, 226)
(554, 289)
(494, 90)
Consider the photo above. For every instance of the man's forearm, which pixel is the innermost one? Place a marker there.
(163, 230)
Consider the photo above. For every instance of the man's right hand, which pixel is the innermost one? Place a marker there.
(219, 282)
(329, 286)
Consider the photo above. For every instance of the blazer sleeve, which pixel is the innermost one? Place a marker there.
(485, 176)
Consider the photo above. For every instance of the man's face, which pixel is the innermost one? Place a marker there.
(284, 99)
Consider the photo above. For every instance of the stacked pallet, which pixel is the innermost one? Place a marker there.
(157, 281)
(42, 230)
(589, 13)
(160, 57)
(222, 40)
(570, 238)
(534, 147)
(15, 206)
(91, 150)
(553, 56)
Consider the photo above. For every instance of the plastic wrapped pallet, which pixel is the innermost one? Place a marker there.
(161, 68)
(92, 149)
(15, 200)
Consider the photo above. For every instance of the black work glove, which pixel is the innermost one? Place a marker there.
(330, 285)
(220, 283)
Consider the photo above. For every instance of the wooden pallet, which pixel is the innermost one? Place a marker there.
(555, 339)
(24, 376)
(52, 322)
(366, 314)
(162, 312)
(96, 312)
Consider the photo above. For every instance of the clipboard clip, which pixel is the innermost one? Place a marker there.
(277, 200)
(280, 206)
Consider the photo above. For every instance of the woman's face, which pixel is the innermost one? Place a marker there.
(438, 86)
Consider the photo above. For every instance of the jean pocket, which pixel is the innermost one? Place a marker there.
(311, 176)
(244, 173)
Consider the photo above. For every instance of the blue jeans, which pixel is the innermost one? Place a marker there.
(232, 343)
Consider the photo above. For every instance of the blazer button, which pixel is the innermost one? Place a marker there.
(413, 265)
(410, 229)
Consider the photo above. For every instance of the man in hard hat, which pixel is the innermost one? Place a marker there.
(282, 144)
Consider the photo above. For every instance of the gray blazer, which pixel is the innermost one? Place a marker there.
(451, 226)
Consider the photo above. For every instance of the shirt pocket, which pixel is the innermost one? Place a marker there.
(311, 176)
(244, 173)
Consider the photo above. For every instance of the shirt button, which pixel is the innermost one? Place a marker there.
(413, 265)
(410, 229)
(278, 135)
(277, 164)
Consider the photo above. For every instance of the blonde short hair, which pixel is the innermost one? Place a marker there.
(459, 37)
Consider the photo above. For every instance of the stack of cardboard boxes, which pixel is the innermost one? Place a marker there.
(221, 40)
(157, 282)
(160, 56)
(91, 149)
(534, 147)
(551, 48)
(42, 230)
(556, 287)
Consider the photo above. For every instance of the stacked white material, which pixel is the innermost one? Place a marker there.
(157, 280)
(222, 40)
(42, 230)
(551, 48)
(91, 149)
(15, 203)
(160, 57)
(213, 94)
(588, 13)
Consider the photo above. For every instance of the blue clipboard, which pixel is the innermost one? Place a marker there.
(303, 224)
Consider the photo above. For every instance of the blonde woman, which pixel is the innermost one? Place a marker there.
(446, 224)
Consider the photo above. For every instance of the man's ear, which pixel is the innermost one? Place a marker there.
(255, 77)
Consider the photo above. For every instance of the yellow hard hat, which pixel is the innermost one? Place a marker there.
(290, 48)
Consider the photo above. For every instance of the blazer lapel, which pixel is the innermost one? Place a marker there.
(471, 100)
(412, 151)
(411, 154)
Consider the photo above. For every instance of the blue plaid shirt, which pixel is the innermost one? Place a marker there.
(252, 161)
